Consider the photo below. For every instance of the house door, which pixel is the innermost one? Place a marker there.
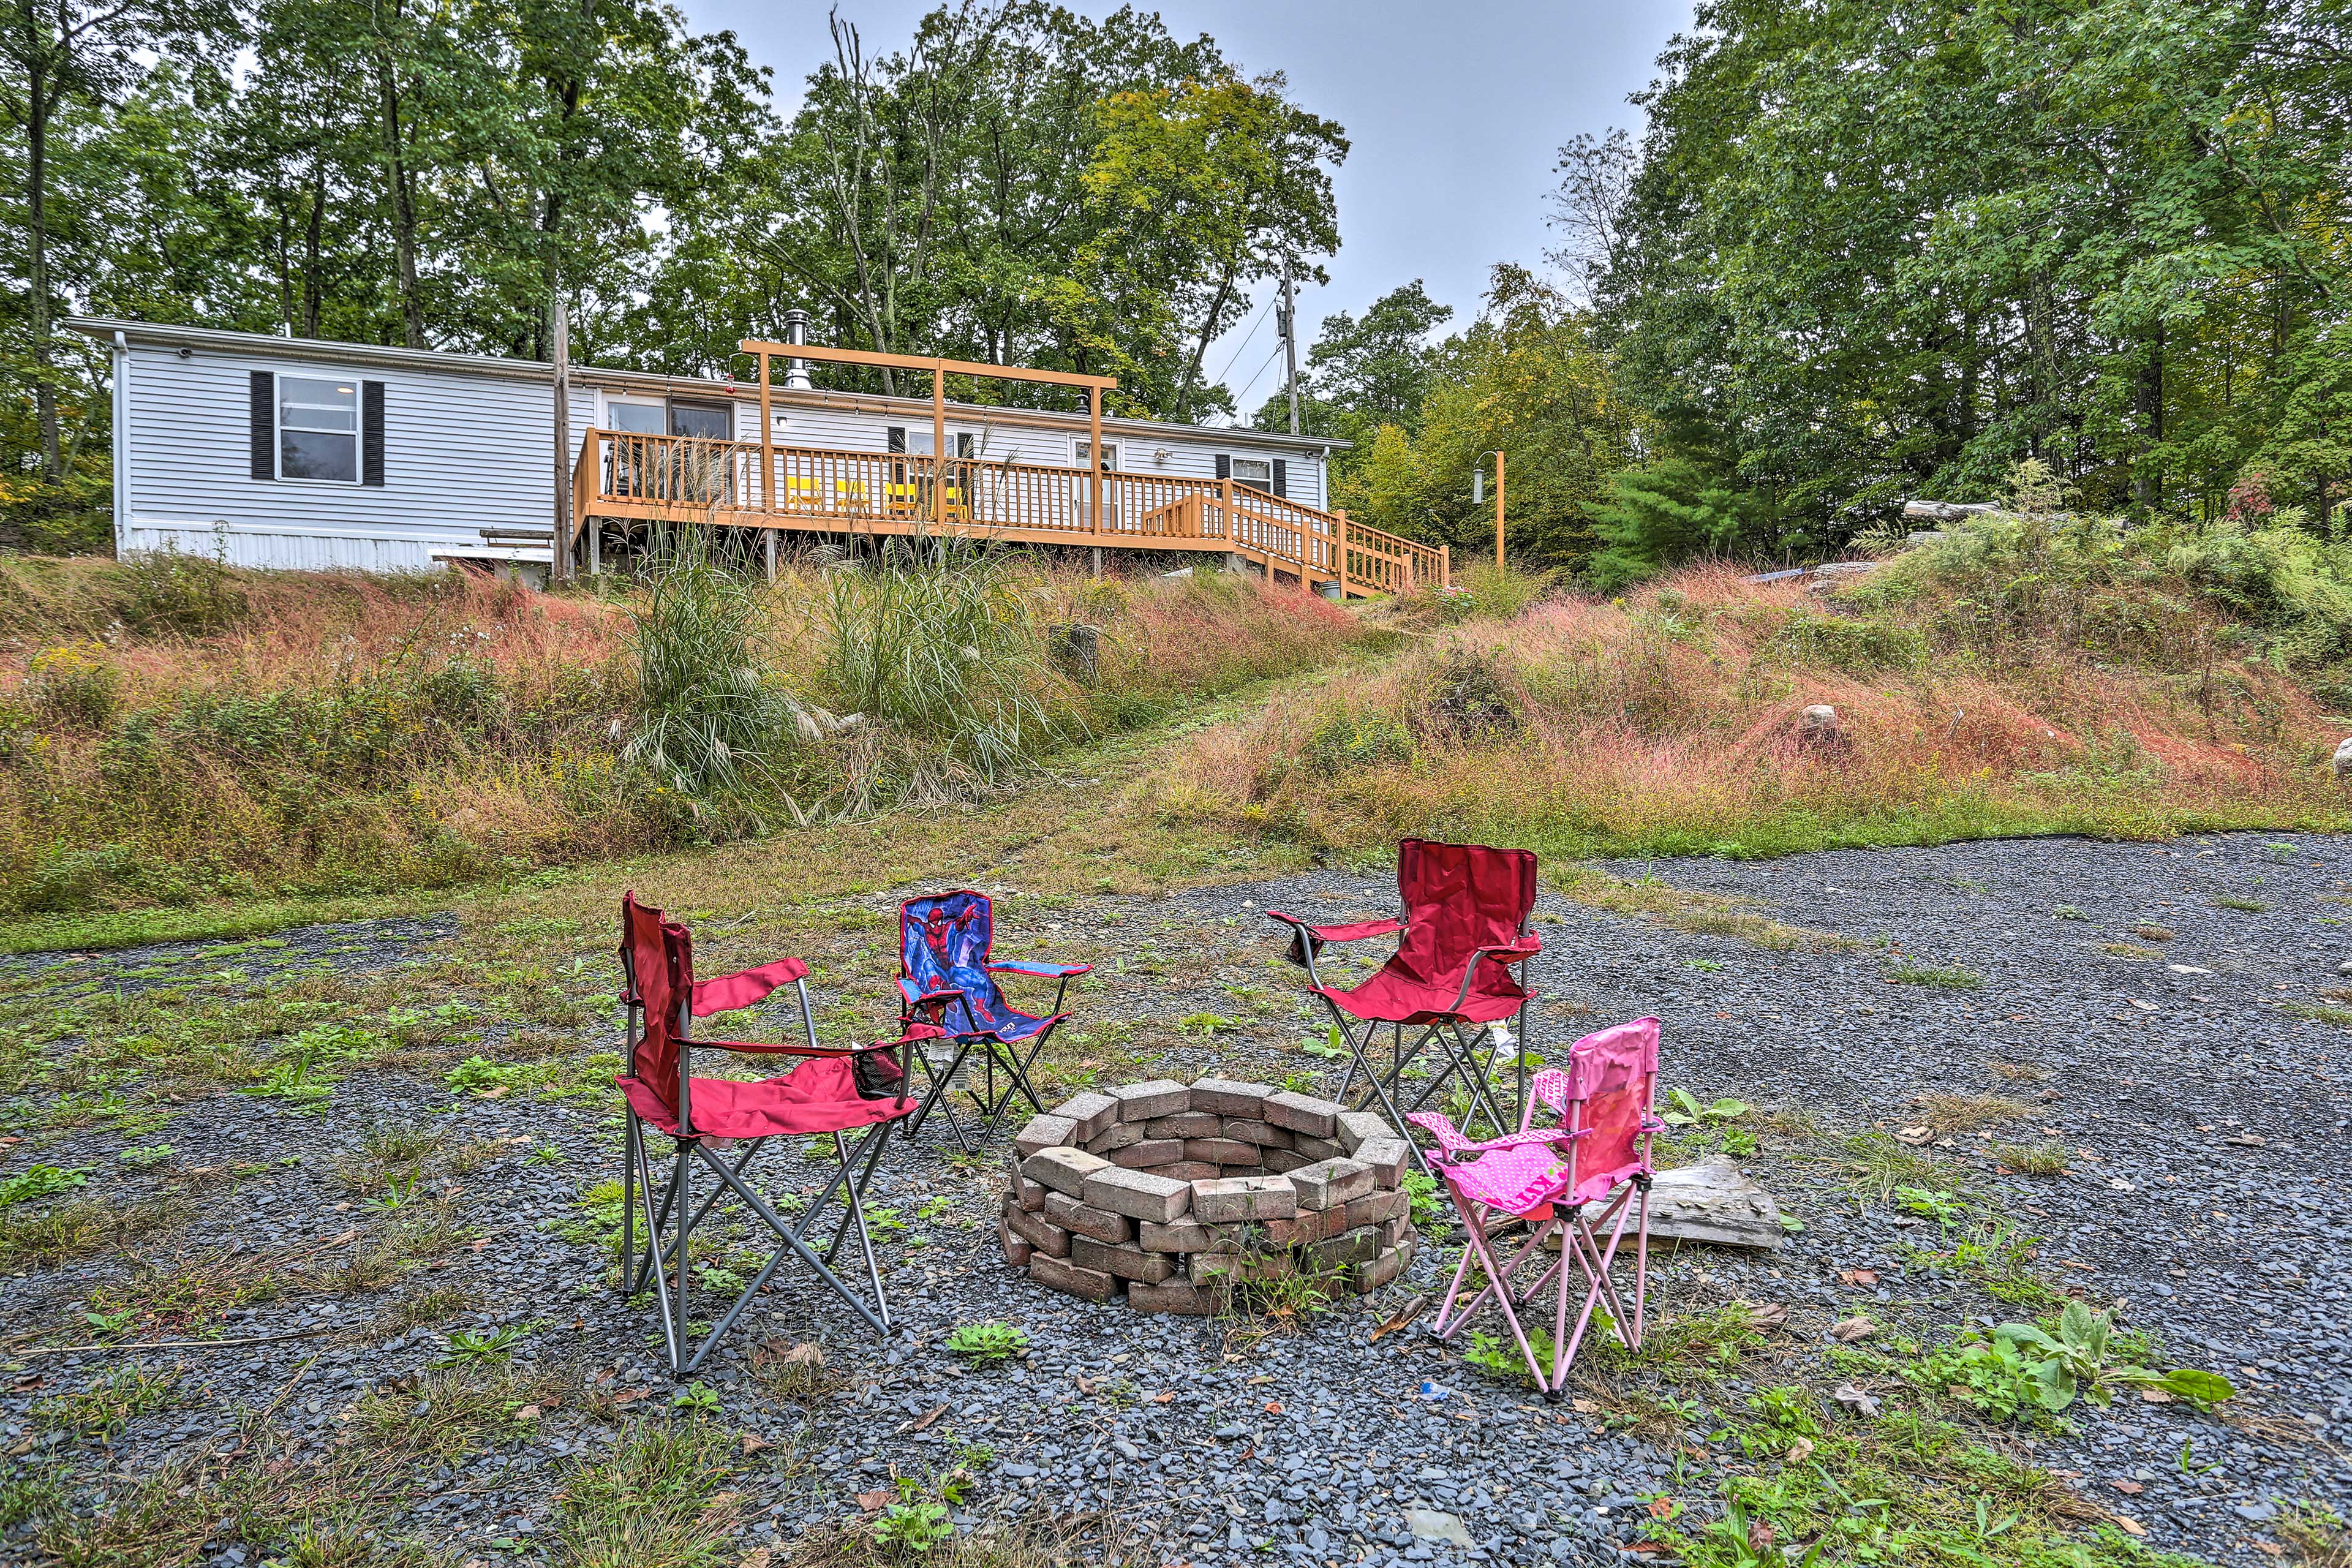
(703, 476)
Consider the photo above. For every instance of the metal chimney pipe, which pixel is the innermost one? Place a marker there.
(796, 372)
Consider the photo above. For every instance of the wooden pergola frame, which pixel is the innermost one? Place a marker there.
(938, 370)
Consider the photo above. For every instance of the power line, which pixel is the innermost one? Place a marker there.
(1240, 398)
(1246, 342)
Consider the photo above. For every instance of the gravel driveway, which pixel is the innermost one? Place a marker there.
(2205, 1125)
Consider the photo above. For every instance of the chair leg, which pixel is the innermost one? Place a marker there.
(1017, 1067)
(673, 1322)
(937, 1098)
(629, 1140)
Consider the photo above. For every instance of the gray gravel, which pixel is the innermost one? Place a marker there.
(1311, 1445)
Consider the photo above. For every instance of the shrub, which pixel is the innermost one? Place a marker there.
(74, 686)
(164, 591)
(707, 717)
(938, 640)
(985, 1343)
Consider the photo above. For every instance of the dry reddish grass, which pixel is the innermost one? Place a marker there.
(1668, 721)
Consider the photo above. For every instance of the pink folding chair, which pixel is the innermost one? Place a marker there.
(1588, 1175)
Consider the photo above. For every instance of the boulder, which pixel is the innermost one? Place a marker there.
(2344, 758)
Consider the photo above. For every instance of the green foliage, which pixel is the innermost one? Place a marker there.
(1669, 513)
(1947, 977)
(938, 640)
(36, 1182)
(914, 1523)
(1794, 256)
(707, 720)
(984, 1344)
(76, 686)
(470, 1348)
(1430, 1215)
(1688, 1112)
(2022, 1367)
(479, 1075)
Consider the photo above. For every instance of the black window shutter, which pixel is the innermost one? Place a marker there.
(372, 432)
(897, 438)
(1281, 478)
(265, 425)
(1225, 466)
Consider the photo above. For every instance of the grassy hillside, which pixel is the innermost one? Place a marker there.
(172, 732)
(2020, 676)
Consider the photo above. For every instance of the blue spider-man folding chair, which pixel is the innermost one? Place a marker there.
(947, 981)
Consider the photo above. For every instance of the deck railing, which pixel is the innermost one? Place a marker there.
(686, 479)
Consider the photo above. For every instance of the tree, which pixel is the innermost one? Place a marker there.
(1528, 378)
(1889, 250)
(53, 53)
(1362, 374)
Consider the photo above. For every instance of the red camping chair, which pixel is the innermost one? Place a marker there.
(949, 998)
(1567, 1183)
(1464, 927)
(832, 1091)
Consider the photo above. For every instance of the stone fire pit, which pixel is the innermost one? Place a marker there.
(1176, 1195)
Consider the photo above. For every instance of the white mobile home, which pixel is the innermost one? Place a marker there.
(298, 453)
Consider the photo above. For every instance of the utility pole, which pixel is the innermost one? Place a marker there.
(559, 558)
(1290, 346)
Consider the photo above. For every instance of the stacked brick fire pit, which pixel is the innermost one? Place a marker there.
(1177, 1193)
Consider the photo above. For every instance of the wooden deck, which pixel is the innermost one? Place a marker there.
(748, 484)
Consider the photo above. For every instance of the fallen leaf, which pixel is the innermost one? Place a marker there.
(2130, 1488)
(2078, 1263)
(1399, 1319)
(627, 1394)
(1914, 1136)
(753, 1443)
(2129, 1526)
(2269, 1548)
(1661, 1508)
(759, 1557)
(1851, 1329)
(1857, 1276)
(927, 1418)
(2155, 1396)
(528, 1413)
(1851, 1398)
(1760, 1537)
(1583, 1406)
(498, 1093)
(1273, 1407)
(1769, 1315)
(871, 1503)
(1161, 1398)
(1800, 1450)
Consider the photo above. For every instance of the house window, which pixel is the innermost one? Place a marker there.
(1110, 456)
(317, 429)
(638, 418)
(1258, 473)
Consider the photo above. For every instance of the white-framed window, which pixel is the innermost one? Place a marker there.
(318, 429)
(1258, 473)
(1110, 456)
(638, 418)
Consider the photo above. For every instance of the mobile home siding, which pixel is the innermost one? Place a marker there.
(461, 452)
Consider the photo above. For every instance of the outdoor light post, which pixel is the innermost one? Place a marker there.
(1478, 494)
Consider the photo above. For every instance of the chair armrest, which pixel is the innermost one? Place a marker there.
(1529, 947)
(1307, 941)
(1536, 1135)
(1355, 932)
(745, 987)
(1050, 971)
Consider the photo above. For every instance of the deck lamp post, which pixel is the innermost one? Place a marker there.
(1478, 494)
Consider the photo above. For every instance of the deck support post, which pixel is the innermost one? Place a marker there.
(1097, 554)
(1094, 461)
(939, 446)
(772, 556)
(1339, 551)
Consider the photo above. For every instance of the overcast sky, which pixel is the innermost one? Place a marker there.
(1456, 112)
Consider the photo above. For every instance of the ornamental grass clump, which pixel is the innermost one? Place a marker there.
(938, 640)
(709, 720)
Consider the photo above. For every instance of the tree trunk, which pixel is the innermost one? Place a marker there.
(313, 288)
(38, 108)
(404, 201)
(2148, 489)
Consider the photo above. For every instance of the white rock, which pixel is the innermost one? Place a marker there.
(2344, 758)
